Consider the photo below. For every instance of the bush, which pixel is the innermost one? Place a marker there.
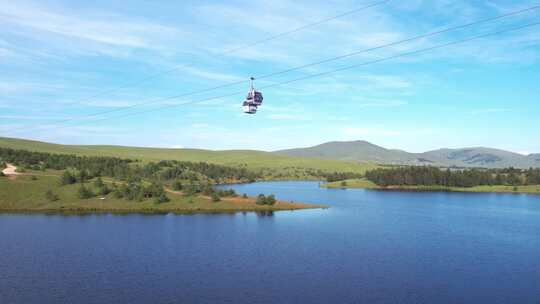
(162, 199)
(104, 190)
(244, 195)
(177, 185)
(85, 193)
(266, 200)
(215, 197)
(67, 178)
(227, 193)
(271, 199)
(343, 184)
(98, 183)
(33, 177)
(50, 196)
(261, 199)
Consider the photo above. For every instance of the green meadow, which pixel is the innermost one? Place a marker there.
(27, 193)
(275, 165)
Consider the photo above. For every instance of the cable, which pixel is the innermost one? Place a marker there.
(327, 72)
(422, 36)
(229, 51)
(188, 65)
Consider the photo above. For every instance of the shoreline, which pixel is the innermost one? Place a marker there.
(497, 189)
(94, 211)
(25, 195)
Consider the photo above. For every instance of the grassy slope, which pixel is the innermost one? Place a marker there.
(253, 159)
(366, 184)
(22, 194)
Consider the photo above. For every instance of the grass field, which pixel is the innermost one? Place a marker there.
(25, 194)
(352, 183)
(252, 159)
(366, 184)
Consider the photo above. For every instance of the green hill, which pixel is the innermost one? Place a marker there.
(251, 159)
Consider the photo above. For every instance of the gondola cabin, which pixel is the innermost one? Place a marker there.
(253, 100)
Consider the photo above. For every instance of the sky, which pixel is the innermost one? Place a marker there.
(63, 61)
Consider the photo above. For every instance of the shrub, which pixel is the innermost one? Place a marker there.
(67, 178)
(271, 199)
(261, 199)
(85, 193)
(33, 177)
(215, 197)
(98, 183)
(50, 196)
(343, 184)
(161, 199)
(244, 195)
(266, 200)
(104, 190)
(177, 185)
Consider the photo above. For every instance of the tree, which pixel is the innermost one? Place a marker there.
(271, 199)
(261, 199)
(50, 196)
(84, 193)
(161, 199)
(98, 183)
(177, 185)
(67, 178)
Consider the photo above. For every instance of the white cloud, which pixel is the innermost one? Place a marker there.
(107, 30)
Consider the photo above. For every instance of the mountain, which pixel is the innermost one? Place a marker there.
(478, 157)
(534, 157)
(362, 151)
(352, 151)
(341, 156)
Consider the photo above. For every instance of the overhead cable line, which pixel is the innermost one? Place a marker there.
(229, 84)
(233, 50)
(416, 52)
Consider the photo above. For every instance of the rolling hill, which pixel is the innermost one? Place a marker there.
(249, 158)
(468, 157)
(346, 156)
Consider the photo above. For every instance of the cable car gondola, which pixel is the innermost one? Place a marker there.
(253, 100)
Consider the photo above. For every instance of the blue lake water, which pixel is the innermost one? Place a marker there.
(369, 247)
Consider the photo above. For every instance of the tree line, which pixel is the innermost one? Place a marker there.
(87, 167)
(433, 176)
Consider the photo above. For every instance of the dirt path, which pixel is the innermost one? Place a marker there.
(10, 170)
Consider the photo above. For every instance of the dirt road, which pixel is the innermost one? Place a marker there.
(10, 170)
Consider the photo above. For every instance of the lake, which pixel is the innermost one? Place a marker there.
(369, 247)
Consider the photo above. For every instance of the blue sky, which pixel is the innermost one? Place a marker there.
(55, 54)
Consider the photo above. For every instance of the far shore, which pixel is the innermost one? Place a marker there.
(368, 185)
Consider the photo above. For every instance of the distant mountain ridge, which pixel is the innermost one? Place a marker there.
(363, 151)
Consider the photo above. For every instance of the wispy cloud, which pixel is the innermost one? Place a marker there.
(93, 32)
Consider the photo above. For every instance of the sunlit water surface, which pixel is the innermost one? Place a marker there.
(369, 247)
